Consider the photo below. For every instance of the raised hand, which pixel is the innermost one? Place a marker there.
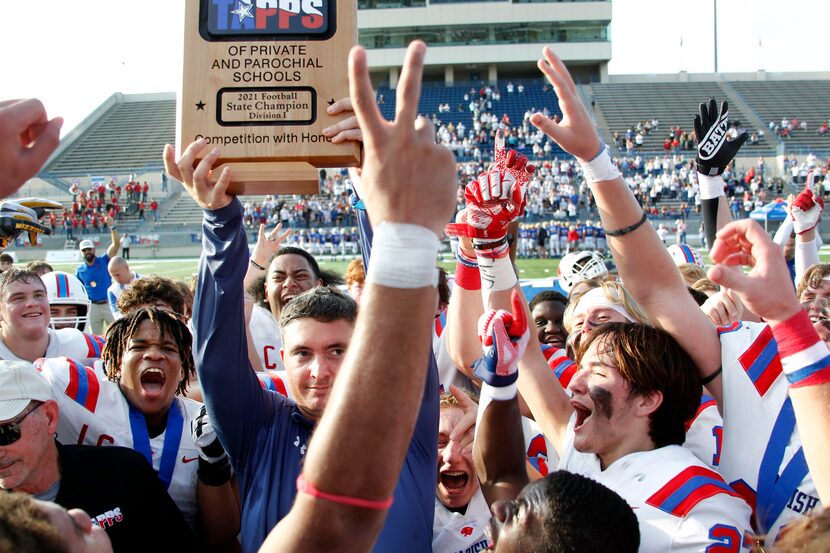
(464, 430)
(406, 177)
(268, 244)
(806, 208)
(575, 133)
(504, 338)
(744, 243)
(197, 182)
(496, 198)
(27, 139)
(714, 151)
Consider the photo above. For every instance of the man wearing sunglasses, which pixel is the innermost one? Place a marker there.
(130, 503)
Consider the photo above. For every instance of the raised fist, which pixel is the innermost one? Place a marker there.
(504, 337)
(714, 151)
(806, 208)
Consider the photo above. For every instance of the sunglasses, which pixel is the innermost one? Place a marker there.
(10, 432)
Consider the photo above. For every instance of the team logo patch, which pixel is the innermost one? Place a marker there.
(267, 19)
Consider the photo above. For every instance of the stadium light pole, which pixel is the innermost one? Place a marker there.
(716, 36)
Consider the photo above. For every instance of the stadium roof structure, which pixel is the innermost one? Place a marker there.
(125, 135)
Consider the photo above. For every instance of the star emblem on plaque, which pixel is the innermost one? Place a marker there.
(273, 67)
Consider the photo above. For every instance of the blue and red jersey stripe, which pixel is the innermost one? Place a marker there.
(683, 492)
(94, 344)
(761, 361)
(83, 387)
(561, 365)
(272, 382)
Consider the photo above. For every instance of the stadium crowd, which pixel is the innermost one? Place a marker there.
(658, 405)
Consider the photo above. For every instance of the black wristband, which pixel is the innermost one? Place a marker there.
(255, 264)
(711, 377)
(489, 245)
(626, 230)
(214, 474)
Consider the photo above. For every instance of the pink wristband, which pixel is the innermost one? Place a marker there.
(308, 488)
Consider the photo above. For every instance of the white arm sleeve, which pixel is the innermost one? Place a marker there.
(783, 233)
(806, 255)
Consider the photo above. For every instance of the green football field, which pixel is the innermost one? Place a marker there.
(185, 268)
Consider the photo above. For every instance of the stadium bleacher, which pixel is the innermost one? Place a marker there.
(127, 138)
(805, 100)
(673, 104)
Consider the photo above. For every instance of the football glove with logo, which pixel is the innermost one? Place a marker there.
(504, 337)
(214, 465)
(714, 151)
(496, 198)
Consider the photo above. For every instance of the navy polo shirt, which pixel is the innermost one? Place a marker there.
(96, 278)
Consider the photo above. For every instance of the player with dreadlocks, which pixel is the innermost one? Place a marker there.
(148, 361)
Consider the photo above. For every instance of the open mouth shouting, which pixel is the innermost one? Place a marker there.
(152, 382)
(582, 414)
(454, 481)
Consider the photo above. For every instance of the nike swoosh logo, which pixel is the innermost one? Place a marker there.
(186, 460)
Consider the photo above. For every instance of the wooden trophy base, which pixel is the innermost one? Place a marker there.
(291, 177)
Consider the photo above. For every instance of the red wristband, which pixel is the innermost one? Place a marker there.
(308, 488)
(795, 334)
(466, 277)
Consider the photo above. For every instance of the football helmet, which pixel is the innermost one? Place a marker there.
(582, 265)
(683, 253)
(65, 289)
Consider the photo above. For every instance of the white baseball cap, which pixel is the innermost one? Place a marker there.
(86, 244)
(20, 383)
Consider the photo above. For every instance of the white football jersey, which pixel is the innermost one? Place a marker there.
(65, 342)
(456, 533)
(93, 411)
(754, 393)
(265, 332)
(704, 433)
(681, 504)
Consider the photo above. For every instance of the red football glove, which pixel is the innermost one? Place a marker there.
(806, 208)
(504, 337)
(496, 198)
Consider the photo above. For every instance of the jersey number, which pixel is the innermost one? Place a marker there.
(102, 439)
(727, 537)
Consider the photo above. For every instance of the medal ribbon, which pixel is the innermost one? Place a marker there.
(774, 490)
(172, 439)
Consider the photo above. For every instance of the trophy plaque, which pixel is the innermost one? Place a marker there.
(258, 76)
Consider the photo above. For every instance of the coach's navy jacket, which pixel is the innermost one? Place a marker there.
(264, 433)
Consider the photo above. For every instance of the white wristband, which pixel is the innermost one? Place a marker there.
(496, 274)
(710, 187)
(489, 393)
(403, 256)
(601, 168)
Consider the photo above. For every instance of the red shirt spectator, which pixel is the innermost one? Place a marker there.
(154, 205)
